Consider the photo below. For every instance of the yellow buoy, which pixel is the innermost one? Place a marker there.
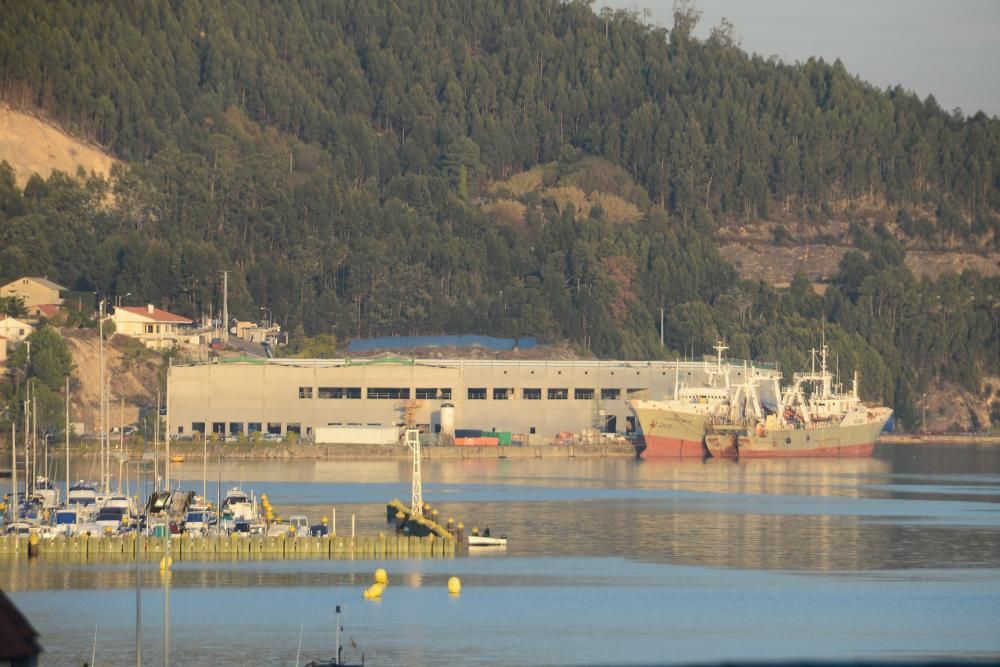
(166, 562)
(454, 585)
(374, 592)
(381, 576)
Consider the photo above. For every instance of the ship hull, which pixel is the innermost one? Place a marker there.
(666, 447)
(857, 440)
(670, 433)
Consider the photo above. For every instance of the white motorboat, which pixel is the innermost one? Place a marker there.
(83, 497)
(46, 493)
(242, 506)
(66, 522)
(196, 520)
(487, 541)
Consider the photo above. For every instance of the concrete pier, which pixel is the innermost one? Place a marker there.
(258, 547)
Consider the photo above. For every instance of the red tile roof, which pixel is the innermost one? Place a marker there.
(158, 314)
(48, 309)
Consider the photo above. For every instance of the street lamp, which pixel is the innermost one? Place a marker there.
(269, 316)
(119, 299)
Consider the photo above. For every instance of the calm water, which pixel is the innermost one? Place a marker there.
(609, 561)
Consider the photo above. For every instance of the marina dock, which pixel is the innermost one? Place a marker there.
(237, 547)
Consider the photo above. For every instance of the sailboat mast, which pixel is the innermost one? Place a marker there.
(156, 443)
(13, 469)
(34, 442)
(67, 439)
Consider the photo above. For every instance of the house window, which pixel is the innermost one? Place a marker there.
(477, 393)
(532, 430)
(558, 394)
(531, 394)
(501, 394)
(394, 393)
(149, 328)
(611, 394)
(583, 394)
(305, 392)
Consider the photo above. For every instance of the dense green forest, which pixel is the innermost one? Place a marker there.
(340, 158)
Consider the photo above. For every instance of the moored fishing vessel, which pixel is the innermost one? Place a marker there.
(812, 420)
(675, 427)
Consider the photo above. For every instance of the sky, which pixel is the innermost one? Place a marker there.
(948, 48)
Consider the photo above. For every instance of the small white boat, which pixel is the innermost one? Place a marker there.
(242, 506)
(484, 541)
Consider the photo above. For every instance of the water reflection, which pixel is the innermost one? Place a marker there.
(662, 549)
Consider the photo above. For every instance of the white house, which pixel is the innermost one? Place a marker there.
(14, 330)
(155, 327)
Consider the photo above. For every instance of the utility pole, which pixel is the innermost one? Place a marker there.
(661, 327)
(417, 493)
(225, 306)
(923, 410)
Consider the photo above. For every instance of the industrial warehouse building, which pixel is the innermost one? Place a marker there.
(334, 400)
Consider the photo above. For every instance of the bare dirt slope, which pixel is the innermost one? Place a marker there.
(131, 372)
(31, 145)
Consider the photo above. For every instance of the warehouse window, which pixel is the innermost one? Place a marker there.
(611, 394)
(558, 394)
(477, 393)
(305, 392)
(339, 392)
(219, 427)
(426, 393)
(394, 393)
(253, 427)
(235, 428)
(197, 427)
(294, 428)
(274, 428)
(583, 394)
(445, 393)
(501, 394)
(531, 394)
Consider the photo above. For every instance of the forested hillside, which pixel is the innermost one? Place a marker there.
(347, 161)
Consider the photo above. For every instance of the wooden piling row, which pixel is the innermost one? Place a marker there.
(191, 547)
